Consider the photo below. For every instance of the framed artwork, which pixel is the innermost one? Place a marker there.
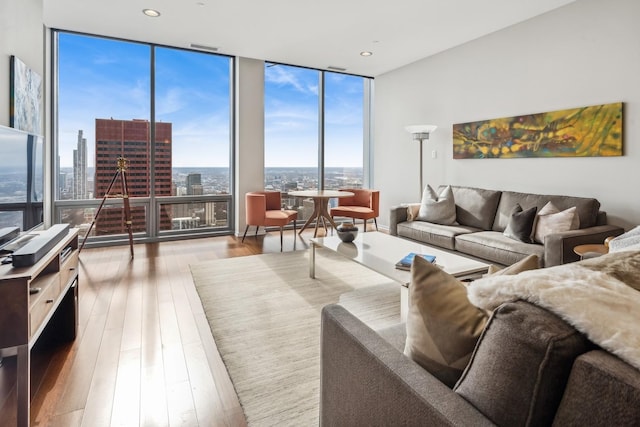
(579, 132)
(25, 97)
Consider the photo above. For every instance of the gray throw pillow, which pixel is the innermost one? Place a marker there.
(437, 208)
(520, 224)
(521, 365)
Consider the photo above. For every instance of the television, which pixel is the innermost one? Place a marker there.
(21, 179)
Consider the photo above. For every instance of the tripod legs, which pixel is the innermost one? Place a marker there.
(127, 208)
(127, 211)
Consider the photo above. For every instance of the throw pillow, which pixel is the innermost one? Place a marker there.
(550, 221)
(521, 364)
(530, 262)
(437, 208)
(520, 223)
(412, 211)
(442, 325)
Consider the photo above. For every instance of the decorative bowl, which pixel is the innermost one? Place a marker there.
(347, 234)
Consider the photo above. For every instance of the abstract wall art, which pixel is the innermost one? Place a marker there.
(579, 132)
(25, 97)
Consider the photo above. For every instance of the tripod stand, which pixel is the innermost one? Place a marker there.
(120, 171)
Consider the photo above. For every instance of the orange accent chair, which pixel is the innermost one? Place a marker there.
(264, 208)
(364, 204)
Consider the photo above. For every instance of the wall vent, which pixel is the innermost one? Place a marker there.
(203, 47)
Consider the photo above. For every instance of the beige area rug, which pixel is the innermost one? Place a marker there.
(264, 314)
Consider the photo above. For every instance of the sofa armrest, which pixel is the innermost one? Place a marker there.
(397, 214)
(558, 248)
(602, 391)
(364, 380)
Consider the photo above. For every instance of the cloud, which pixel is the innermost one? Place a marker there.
(283, 75)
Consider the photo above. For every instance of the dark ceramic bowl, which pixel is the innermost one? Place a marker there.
(347, 235)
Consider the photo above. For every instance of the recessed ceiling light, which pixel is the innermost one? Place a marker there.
(151, 12)
(366, 53)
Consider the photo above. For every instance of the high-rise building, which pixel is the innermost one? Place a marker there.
(131, 139)
(193, 180)
(80, 168)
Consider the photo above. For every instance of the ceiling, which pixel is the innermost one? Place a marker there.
(316, 34)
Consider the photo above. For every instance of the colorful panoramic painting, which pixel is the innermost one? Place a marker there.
(578, 132)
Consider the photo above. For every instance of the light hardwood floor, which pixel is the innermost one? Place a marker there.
(144, 354)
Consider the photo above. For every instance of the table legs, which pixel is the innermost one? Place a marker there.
(320, 214)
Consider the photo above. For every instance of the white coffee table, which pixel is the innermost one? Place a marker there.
(379, 252)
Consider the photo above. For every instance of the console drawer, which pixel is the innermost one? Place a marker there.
(42, 303)
(68, 268)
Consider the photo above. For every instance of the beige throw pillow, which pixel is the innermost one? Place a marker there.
(530, 262)
(412, 211)
(550, 221)
(442, 325)
(437, 208)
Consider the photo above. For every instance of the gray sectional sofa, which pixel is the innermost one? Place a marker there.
(530, 368)
(482, 216)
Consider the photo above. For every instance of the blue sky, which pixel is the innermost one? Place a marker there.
(102, 78)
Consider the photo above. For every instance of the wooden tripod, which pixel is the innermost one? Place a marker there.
(121, 172)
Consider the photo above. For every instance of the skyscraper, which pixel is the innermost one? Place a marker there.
(194, 184)
(131, 139)
(80, 169)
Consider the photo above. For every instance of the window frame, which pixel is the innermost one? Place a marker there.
(152, 203)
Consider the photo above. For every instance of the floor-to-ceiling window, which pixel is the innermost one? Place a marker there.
(344, 130)
(166, 112)
(315, 131)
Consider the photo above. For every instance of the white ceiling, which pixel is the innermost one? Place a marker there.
(309, 33)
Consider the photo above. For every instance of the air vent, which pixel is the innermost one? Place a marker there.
(203, 47)
(331, 67)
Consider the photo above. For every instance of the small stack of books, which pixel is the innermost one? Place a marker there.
(405, 263)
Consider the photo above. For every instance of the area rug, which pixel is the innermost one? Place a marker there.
(264, 314)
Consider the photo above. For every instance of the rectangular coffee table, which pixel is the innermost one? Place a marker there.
(380, 252)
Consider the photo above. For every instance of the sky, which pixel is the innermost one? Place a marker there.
(103, 78)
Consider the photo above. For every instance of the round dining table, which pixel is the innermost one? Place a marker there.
(320, 202)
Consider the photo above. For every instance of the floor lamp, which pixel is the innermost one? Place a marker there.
(420, 133)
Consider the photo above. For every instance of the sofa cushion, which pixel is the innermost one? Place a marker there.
(520, 224)
(602, 391)
(433, 234)
(496, 247)
(586, 208)
(442, 325)
(550, 220)
(475, 207)
(520, 367)
(437, 208)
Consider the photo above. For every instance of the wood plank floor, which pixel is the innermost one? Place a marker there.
(144, 354)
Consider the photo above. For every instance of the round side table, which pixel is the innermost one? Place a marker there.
(592, 250)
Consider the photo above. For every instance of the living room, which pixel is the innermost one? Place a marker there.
(583, 53)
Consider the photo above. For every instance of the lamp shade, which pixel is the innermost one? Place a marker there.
(420, 128)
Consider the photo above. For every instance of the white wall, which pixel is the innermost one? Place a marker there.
(21, 34)
(585, 53)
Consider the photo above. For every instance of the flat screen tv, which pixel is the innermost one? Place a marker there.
(21, 179)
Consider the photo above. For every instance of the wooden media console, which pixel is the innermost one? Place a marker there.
(32, 298)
